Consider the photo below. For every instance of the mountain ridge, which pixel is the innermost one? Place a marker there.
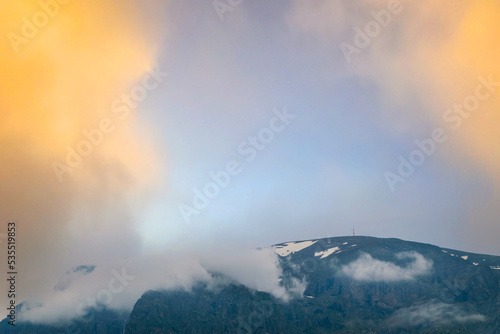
(363, 285)
(345, 284)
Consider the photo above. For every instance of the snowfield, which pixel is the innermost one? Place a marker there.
(292, 247)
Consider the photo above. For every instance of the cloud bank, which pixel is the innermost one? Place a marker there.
(118, 285)
(432, 314)
(366, 268)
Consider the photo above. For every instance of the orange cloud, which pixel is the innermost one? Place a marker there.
(63, 64)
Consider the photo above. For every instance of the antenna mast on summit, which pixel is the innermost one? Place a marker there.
(353, 234)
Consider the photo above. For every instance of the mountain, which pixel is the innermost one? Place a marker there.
(72, 274)
(94, 322)
(349, 285)
(335, 285)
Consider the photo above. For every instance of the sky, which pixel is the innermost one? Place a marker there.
(181, 130)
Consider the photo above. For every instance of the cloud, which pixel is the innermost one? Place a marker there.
(87, 286)
(427, 59)
(366, 268)
(296, 288)
(63, 79)
(432, 314)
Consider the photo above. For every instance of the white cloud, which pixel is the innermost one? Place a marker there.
(431, 314)
(256, 269)
(366, 268)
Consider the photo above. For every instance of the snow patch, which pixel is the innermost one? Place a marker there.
(475, 263)
(465, 257)
(292, 247)
(345, 243)
(309, 296)
(496, 268)
(327, 252)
